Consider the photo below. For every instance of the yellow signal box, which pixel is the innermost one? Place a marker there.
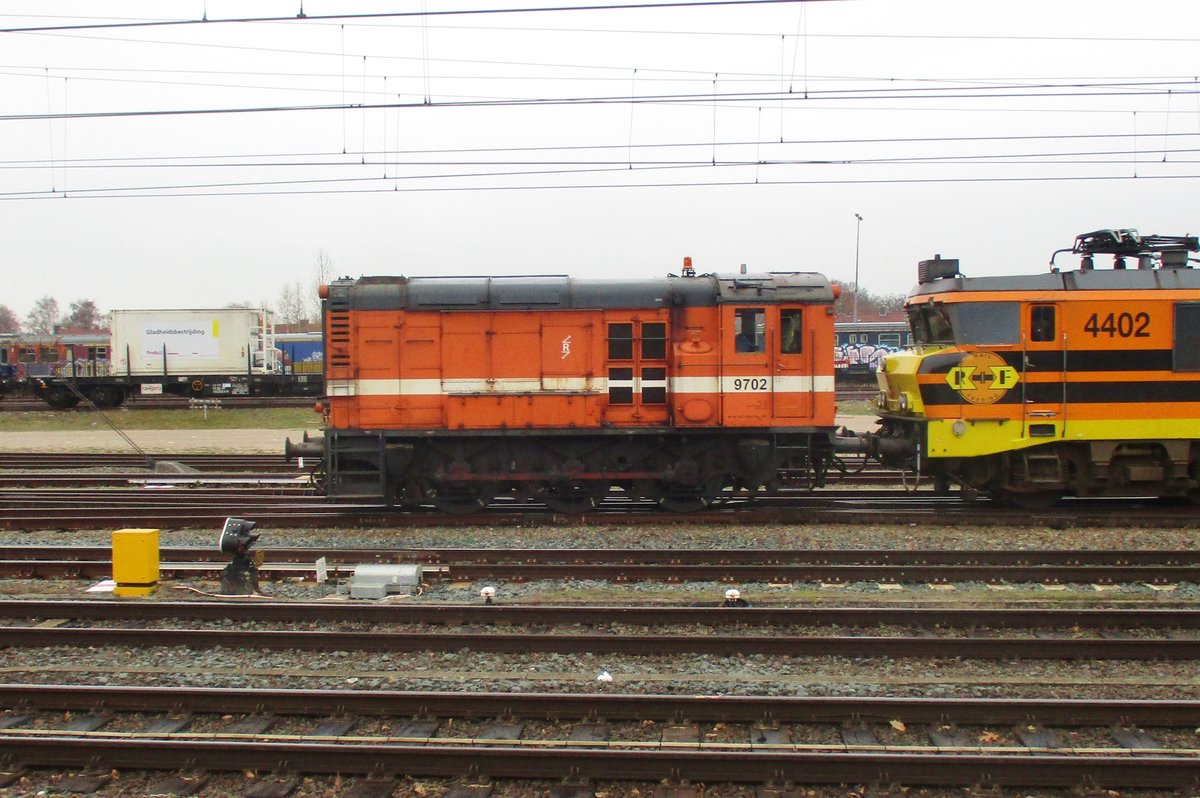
(135, 561)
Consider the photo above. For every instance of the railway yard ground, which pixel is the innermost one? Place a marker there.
(207, 441)
(99, 438)
(234, 431)
(995, 678)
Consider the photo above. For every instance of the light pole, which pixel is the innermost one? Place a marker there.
(857, 237)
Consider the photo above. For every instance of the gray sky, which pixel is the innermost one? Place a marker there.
(991, 132)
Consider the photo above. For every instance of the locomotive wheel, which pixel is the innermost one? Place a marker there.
(460, 498)
(677, 498)
(684, 500)
(571, 497)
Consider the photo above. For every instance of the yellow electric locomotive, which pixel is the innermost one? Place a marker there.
(1029, 388)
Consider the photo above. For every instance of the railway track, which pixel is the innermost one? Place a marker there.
(89, 491)
(137, 464)
(103, 469)
(994, 567)
(926, 632)
(25, 405)
(584, 739)
(157, 504)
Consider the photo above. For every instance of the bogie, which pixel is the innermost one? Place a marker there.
(567, 474)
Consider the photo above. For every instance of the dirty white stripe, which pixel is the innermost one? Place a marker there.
(599, 385)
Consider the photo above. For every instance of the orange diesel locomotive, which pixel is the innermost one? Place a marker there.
(1079, 382)
(453, 391)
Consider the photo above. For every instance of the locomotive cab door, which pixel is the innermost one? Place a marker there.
(768, 365)
(793, 364)
(1043, 372)
(747, 356)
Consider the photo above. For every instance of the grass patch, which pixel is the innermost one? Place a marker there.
(125, 418)
(857, 407)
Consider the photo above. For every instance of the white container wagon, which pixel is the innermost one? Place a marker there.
(166, 342)
(189, 353)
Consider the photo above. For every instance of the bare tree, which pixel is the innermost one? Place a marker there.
(44, 316)
(84, 315)
(322, 274)
(870, 306)
(290, 309)
(9, 323)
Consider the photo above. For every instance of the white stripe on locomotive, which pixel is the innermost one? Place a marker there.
(678, 386)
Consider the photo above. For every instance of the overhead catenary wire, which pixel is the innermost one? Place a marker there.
(644, 146)
(839, 92)
(1046, 91)
(679, 31)
(598, 186)
(182, 189)
(393, 157)
(423, 13)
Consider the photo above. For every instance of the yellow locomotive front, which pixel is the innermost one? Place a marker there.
(1028, 388)
(948, 401)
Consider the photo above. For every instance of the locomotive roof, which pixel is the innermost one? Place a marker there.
(539, 292)
(1083, 280)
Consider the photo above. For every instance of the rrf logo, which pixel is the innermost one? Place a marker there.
(982, 378)
(566, 347)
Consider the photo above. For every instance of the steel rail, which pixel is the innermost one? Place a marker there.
(20, 404)
(199, 491)
(656, 572)
(633, 645)
(501, 615)
(855, 508)
(643, 556)
(543, 761)
(61, 460)
(628, 565)
(610, 707)
(52, 483)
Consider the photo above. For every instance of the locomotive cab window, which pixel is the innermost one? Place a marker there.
(930, 323)
(1187, 337)
(643, 343)
(654, 386)
(966, 323)
(986, 322)
(1041, 323)
(620, 386)
(749, 330)
(654, 340)
(620, 341)
(791, 342)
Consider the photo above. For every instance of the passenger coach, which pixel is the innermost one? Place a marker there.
(453, 391)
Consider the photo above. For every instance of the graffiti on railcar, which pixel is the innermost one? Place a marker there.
(861, 355)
